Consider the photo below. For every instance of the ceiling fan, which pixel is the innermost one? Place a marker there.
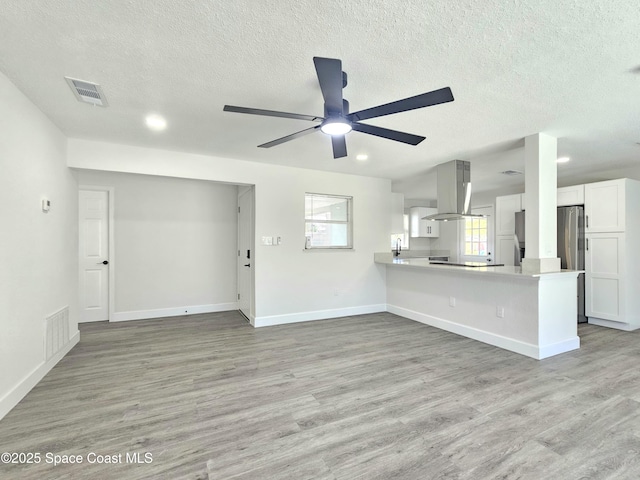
(337, 120)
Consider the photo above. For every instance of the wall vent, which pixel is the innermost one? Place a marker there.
(511, 172)
(56, 332)
(87, 92)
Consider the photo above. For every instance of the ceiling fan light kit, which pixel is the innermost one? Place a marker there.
(335, 127)
(338, 121)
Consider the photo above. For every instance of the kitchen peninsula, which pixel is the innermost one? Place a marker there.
(534, 315)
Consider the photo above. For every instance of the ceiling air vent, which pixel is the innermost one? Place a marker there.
(87, 92)
(511, 172)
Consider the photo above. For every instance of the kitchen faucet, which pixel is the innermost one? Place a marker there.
(398, 247)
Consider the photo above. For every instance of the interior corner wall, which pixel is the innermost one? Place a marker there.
(419, 243)
(38, 251)
(175, 244)
(448, 239)
(291, 284)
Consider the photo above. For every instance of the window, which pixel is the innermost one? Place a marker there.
(404, 237)
(475, 236)
(327, 221)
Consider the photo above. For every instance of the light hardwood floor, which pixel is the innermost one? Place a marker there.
(373, 396)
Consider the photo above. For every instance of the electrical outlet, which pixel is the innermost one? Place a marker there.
(452, 301)
(500, 312)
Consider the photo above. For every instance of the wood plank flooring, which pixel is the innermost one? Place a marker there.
(367, 397)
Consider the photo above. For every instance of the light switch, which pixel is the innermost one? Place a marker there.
(267, 240)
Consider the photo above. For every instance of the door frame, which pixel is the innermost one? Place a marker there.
(111, 227)
(242, 190)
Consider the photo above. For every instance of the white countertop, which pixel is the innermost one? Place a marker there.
(505, 270)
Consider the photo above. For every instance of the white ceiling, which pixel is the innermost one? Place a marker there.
(567, 68)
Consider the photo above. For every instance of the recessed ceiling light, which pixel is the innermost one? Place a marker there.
(563, 159)
(362, 156)
(156, 122)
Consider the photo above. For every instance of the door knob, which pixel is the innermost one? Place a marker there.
(247, 265)
(105, 262)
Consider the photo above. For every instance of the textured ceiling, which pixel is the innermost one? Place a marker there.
(566, 68)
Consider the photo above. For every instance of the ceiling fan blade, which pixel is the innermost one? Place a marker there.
(436, 97)
(339, 144)
(271, 113)
(329, 72)
(293, 136)
(386, 133)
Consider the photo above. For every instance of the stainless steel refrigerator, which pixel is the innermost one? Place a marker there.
(570, 246)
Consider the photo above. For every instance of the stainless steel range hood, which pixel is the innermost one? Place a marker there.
(454, 191)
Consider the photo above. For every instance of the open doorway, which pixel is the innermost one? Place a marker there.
(175, 240)
(246, 256)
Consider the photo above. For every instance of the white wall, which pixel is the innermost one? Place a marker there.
(449, 239)
(175, 244)
(38, 251)
(291, 284)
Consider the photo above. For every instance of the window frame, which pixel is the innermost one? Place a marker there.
(348, 222)
(484, 240)
(405, 237)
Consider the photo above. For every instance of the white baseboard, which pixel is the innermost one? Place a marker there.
(627, 327)
(272, 320)
(14, 396)
(172, 312)
(510, 344)
(546, 351)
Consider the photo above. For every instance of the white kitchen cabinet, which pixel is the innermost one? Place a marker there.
(423, 228)
(573, 195)
(604, 281)
(604, 206)
(505, 249)
(612, 256)
(506, 207)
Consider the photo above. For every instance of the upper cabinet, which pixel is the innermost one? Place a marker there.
(604, 206)
(506, 207)
(573, 195)
(423, 228)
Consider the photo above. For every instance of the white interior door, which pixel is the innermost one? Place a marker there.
(245, 253)
(94, 255)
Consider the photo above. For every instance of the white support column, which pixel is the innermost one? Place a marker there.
(540, 185)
